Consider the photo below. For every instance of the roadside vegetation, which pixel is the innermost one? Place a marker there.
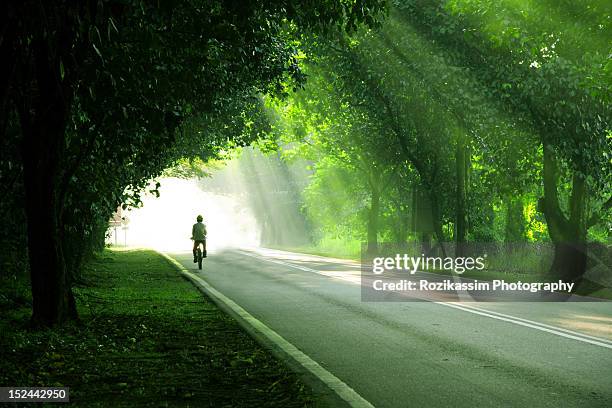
(146, 336)
(439, 123)
(455, 123)
(444, 123)
(98, 99)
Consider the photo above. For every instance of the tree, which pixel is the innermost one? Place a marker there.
(538, 74)
(347, 134)
(71, 70)
(401, 107)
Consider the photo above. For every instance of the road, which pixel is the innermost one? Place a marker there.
(421, 354)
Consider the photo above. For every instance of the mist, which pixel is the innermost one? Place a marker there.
(251, 200)
(165, 223)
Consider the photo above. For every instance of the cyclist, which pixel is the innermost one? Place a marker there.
(198, 235)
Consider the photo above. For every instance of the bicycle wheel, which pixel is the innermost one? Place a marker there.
(199, 258)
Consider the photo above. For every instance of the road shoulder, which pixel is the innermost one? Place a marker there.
(329, 390)
(146, 337)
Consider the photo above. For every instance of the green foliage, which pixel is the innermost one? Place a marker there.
(119, 92)
(542, 68)
(336, 201)
(487, 106)
(503, 79)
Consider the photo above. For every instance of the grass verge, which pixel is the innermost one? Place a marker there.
(147, 337)
(349, 254)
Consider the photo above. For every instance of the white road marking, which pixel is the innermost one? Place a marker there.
(534, 325)
(558, 331)
(331, 381)
(356, 279)
(575, 333)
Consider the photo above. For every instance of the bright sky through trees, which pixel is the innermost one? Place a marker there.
(164, 223)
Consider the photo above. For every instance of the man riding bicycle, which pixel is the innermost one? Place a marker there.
(198, 234)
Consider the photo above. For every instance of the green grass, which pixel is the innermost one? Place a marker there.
(147, 337)
(334, 248)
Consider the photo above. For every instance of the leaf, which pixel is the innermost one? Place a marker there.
(61, 67)
(97, 51)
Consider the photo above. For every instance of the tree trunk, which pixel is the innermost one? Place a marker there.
(515, 220)
(43, 127)
(437, 221)
(426, 247)
(568, 234)
(401, 228)
(460, 197)
(52, 297)
(74, 246)
(569, 262)
(373, 216)
(8, 64)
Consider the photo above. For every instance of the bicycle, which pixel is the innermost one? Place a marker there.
(199, 256)
(200, 252)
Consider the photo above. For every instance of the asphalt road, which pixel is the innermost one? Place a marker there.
(422, 354)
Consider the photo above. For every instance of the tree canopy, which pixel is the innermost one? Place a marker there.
(437, 121)
(121, 90)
